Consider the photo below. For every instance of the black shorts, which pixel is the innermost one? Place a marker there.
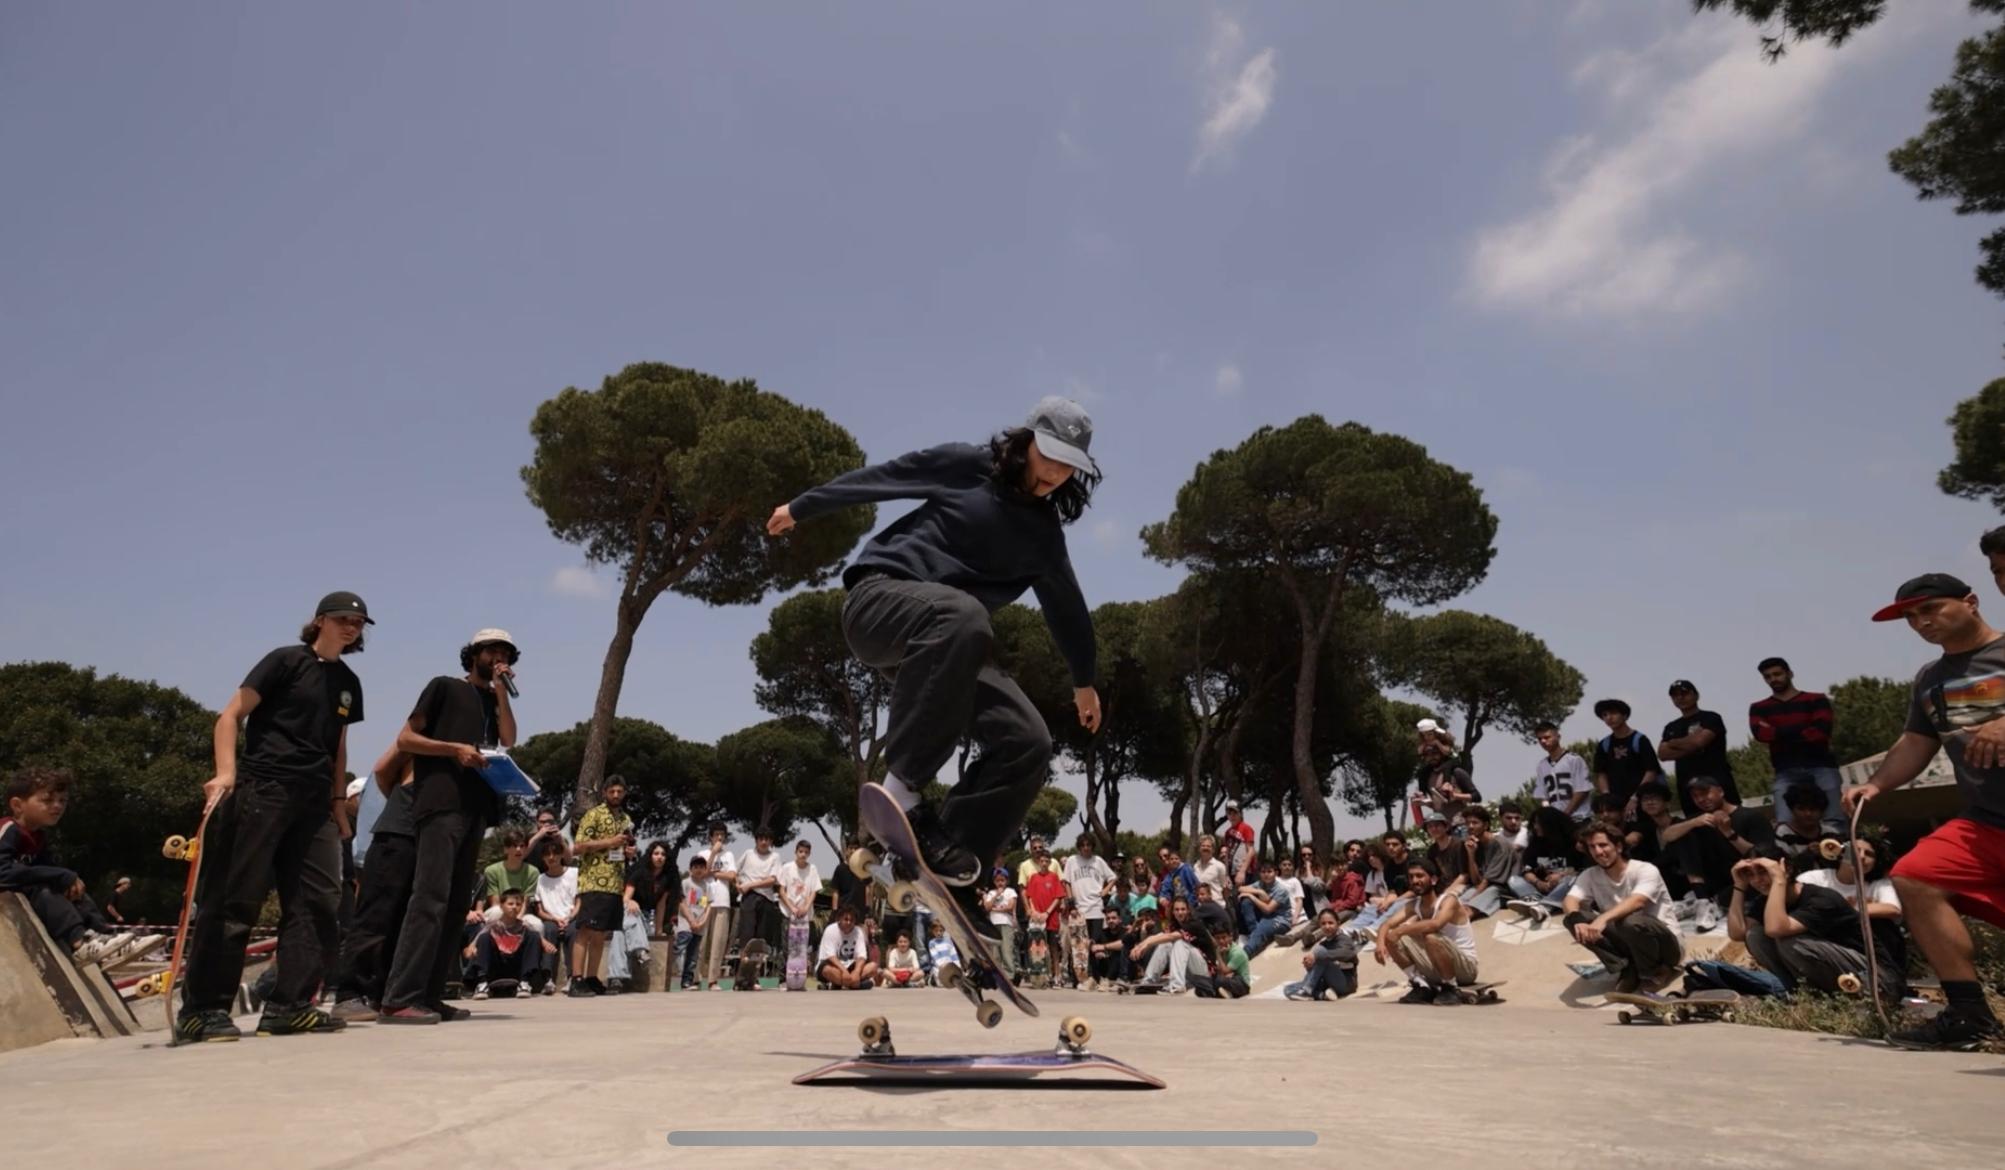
(600, 912)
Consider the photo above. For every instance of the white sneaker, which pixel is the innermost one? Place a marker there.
(1688, 906)
(1707, 916)
(480, 992)
(132, 948)
(96, 948)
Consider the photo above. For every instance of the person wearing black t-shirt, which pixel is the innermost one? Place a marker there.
(276, 818)
(1697, 742)
(1706, 847)
(1801, 933)
(451, 805)
(1623, 759)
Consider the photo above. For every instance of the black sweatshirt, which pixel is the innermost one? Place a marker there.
(989, 540)
(26, 862)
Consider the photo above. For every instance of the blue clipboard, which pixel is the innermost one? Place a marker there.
(505, 776)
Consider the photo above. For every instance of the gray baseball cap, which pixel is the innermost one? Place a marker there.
(1063, 431)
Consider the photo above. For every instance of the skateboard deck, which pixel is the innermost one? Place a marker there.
(797, 955)
(1068, 1059)
(1675, 1009)
(1480, 993)
(1078, 946)
(190, 850)
(896, 864)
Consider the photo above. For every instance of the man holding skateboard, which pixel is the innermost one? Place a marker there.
(279, 828)
(451, 805)
(1958, 708)
(992, 525)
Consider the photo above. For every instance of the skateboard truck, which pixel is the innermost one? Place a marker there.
(1073, 1033)
(875, 1033)
(988, 1012)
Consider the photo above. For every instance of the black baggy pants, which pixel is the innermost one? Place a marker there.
(933, 642)
(66, 920)
(1638, 942)
(429, 942)
(371, 940)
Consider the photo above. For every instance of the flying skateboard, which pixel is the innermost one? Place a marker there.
(190, 850)
(891, 857)
(1675, 1009)
(879, 1062)
(797, 955)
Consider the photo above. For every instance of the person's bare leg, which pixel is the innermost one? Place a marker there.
(578, 968)
(1938, 930)
(1439, 960)
(595, 951)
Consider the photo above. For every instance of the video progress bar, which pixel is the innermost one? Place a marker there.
(965, 1138)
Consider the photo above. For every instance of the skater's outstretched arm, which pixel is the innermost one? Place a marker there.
(911, 476)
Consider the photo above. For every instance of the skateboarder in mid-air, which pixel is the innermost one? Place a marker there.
(920, 594)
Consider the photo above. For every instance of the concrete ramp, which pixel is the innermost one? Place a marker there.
(43, 995)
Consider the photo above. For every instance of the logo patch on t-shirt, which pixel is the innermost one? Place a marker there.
(1967, 702)
(347, 701)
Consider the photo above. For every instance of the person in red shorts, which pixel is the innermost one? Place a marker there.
(1958, 707)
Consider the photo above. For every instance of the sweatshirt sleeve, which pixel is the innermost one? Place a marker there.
(16, 874)
(911, 476)
(1071, 623)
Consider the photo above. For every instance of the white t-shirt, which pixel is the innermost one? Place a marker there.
(905, 960)
(1595, 890)
(1555, 783)
(1518, 842)
(558, 896)
(720, 885)
(1294, 887)
(801, 886)
(754, 866)
(1001, 904)
(1882, 890)
(843, 948)
(1087, 879)
(1213, 873)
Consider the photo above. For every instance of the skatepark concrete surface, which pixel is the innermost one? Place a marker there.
(609, 1079)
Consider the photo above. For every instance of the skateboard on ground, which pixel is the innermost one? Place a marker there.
(1675, 1009)
(879, 1062)
(190, 850)
(1480, 993)
(891, 857)
(797, 955)
(751, 965)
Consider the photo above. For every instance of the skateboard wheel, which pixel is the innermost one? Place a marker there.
(860, 861)
(901, 898)
(1626, 1017)
(1075, 1030)
(949, 974)
(1849, 983)
(174, 847)
(874, 1031)
(1831, 849)
(989, 1014)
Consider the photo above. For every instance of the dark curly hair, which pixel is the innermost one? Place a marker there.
(467, 652)
(26, 782)
(1009, 455)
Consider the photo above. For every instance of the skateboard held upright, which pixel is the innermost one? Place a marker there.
(797, 954)
(190, 850)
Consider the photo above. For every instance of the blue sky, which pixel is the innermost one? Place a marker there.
(281, 284)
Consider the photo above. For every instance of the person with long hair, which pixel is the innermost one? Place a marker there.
(920, 596)
(1180, 951)
(1547, 868)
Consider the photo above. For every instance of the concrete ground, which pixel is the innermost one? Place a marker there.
(604, 1081)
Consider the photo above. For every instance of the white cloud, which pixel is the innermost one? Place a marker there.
(1239, 92)
(1107, 534)
(577, 581)
(1229, 382)
(1679, 113)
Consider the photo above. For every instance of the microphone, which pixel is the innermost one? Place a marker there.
(508, 680)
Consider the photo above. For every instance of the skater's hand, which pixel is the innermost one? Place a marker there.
(1087, 700)
(780, 521)
(215, 790)
(468, 756)
(1857, 795)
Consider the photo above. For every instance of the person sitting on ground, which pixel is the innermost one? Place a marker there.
(1548, 867)
(1347, 882)
(1707, 846)
(1108, 956)
(1444, 849)
(844, 958)
(1315, 885)
(901, 965)
(1178, 879)
(1329, 962)
(556, 901)
(1643, 837)
(1179, 952)
(1232, 972)
(1429, 939)
(1385, 885)
(1133, 899)
(1511, 827)
(1211, 912)
(940, 949)
(1489, 864)
(1620, 910)
(1286, 876)
(1445, 785)
(1265, 912)
(508, 953)
(1802, 933)
(1808, 806)
(36, 800)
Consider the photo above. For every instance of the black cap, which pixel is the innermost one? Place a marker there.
(343, 602)
(1927, 587)
(1683, 684)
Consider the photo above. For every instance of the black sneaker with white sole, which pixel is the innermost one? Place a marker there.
(1953, 1029)
(950, 861)
(278, 1021)
(205, 1028)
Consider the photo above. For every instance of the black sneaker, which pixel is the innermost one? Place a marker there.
(580, 989)
(1629, 983)
(950, 862)
(205, 1028)
(969, 899)
(1418, 993)
(447, 1013)
(278, 1021)
(1953, 1029)
(1447, 997)
(615, 987)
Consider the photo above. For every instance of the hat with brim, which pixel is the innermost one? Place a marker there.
(1927, 587)
(343, 602)
(491, 635)
(1063, 430)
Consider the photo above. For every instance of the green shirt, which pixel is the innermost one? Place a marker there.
(1236, 959)
(498, 878)
(597, 873)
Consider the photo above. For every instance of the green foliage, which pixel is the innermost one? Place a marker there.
(1050, 813)
(140, 753)
(1753, 771)
(670, 781)
(1801, 20)
(806, 671)
(1978, 431)
(670, 475)
(1378, 773)
(1486, 668)
(1957, 154)
(776, 774)
(1869, 714)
